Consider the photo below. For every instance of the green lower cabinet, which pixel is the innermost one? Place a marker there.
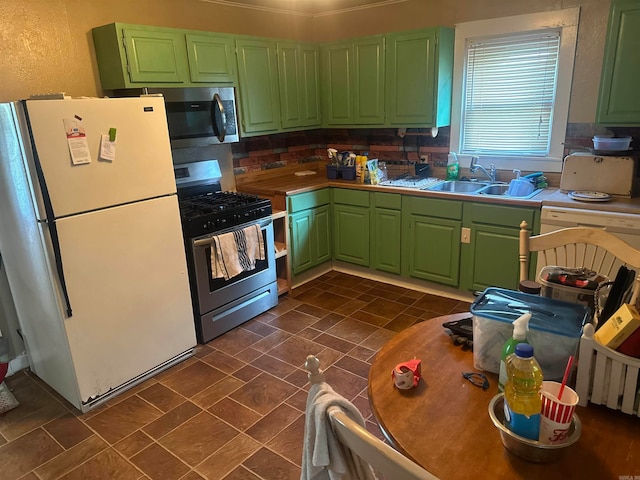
(490, 258)
(351, 234)
(386, 231)
(351, 229)
(431, 239)
(310, 238)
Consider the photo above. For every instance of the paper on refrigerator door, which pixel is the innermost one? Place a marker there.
(77, 141)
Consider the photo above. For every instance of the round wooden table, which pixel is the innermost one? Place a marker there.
(443, 424)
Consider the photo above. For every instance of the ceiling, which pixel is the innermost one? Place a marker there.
(306, 7)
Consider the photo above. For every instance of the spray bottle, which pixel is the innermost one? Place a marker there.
(520, 327)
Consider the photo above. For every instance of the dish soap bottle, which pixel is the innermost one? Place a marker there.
(520, 327)
(453, 166)
(522, 392)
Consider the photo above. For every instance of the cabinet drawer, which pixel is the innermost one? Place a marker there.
(304, 201)
(357, 198)
(432, 207)
(392, 201)
(498, 215)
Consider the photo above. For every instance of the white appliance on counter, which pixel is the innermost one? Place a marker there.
(598, 173)
(92, 243)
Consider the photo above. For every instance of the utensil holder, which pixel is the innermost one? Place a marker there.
(347, 173)
(332, 172)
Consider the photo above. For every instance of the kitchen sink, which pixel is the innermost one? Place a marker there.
(501, 190)
(457, 186)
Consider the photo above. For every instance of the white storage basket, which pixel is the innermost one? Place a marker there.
(606, 377)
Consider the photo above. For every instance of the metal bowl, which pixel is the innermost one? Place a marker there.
(530, 450)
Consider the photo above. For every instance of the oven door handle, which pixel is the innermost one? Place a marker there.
(206, 241)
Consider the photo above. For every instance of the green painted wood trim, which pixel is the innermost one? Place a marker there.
(433, 207)
(347, 196)
(386, 200)
(304, 201)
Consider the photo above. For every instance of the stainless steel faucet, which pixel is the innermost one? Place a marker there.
(474, 166)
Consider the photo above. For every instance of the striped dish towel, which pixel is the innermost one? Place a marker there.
(236, 252)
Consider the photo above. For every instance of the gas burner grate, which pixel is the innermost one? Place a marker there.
(214, 211)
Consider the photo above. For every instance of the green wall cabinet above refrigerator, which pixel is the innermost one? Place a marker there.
(619, 102)
(134, 56)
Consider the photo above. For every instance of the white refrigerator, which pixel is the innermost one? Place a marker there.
(92, 243)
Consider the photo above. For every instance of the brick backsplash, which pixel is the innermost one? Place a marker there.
(279, 150)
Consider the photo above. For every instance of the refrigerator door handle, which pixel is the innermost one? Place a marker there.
(51, 219)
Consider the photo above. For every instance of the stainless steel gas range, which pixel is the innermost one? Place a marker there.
(206, 212)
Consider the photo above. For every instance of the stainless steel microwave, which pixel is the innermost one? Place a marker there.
(197, 116)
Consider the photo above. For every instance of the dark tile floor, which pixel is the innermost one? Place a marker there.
(233, 411)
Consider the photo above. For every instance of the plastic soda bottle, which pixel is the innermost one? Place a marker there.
(522, 392)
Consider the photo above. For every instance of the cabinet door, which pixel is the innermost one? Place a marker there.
(368, 76)
(419, 77)
(298, 81)
(490, 258)
(322, 234)
(619, 102)
(411, 77)
(310, 238)
(300, 247)
(258, 78)
(211, 58)
(353, 82)
(310, 85)
(338, 84)
(351, 234)
(155, 57)
(386, 240)
(432, 248)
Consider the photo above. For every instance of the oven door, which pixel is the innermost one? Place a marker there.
(214, 293)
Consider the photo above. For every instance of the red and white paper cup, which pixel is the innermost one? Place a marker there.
(556, 414)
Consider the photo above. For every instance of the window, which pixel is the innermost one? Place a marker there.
(512, 83)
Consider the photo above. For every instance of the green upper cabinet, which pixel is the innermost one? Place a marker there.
(353, 82)
(134, 56)
(490, 247)
(298, 78)
(619, 102)
(419, 78)
(259, 90)
(211, 58)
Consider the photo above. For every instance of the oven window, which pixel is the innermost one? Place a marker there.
(261, 265)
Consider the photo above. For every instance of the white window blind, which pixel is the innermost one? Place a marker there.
(509, 93)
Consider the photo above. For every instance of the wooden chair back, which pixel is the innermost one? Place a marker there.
(591, 248)
(383, 458)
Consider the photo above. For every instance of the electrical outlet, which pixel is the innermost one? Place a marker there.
(465, 235)
(424, 158)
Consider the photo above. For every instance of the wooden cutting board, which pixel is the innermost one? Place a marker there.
(612, 175)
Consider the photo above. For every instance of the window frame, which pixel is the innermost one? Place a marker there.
(567, 21)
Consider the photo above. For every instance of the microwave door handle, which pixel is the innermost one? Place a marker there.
(219, 131)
